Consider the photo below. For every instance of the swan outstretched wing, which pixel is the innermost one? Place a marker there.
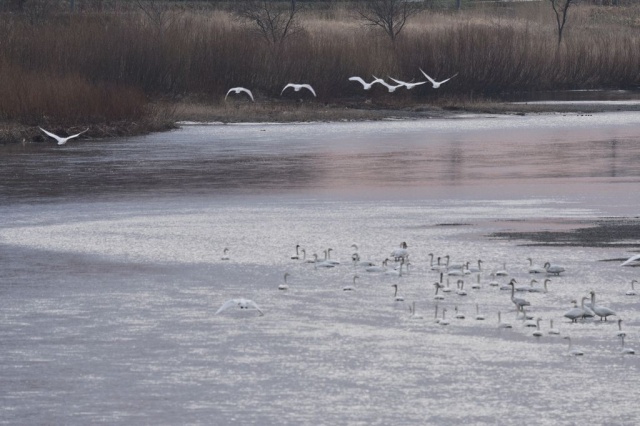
(427, 77)
(631, 260)
(444, 81)
(286, 87)
(308, 86)
(226, 305)
(404, 83)
(358, 79)
(56, 137)
(77, 134)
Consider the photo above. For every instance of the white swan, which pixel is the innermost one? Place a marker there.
(62, 140)
(351, 287)
(601, 311)
(408, 85)
(632, 260)
(502, 272)
(574, 313)
(225, 254)
(297, 87)
(395, 272)
(520, 303)
(553, 270)
(459, 315)
(446, 288)
(542, 289)
(238, 90)
(297, 255)
(625, 351)
(473, 269)
(400, 253)
(528, 320)
(239, 303)
(444, 320)
(586, 312)
(537, 333)
(502, 324)
(535, 269)
(493, 282)
(365, 85)
(572, 350)
(396, 296)
(476, 285)
(632, 292)
(412, 310)
(479, 317)
(620, 332)
(387, 85)
(284, 286)
(374, 268)
(436, 84)
(460, 291)
(438, 296)
(551, 329)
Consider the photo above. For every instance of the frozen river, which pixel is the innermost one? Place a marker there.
(111, 272)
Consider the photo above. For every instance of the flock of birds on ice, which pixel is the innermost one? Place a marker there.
(61, 140)
(586, 310)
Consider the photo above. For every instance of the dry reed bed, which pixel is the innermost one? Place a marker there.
(102, 68)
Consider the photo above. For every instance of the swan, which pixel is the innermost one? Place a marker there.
(400, 253)
(439, 267)
(454, 272)
(632, 292)
(586, 312)
(574, 313)
(553, 270)
(304, 257)
(436, 84)
(297, 87)
(631, 260)
(528, 320)
(297, 255)
(438, 296)
(444, 320)
(625, 351)
(601, 311)
(544, 288)
(476, 285)
(238, 90)
(502, 324)
(408, 85)
(382, 268)
(395, 272)
(620, 332)
(412, 310)
(328, 258)
(459, 315)
(351, 287)
(527, 287)
(493, 282)
(535, 269)
(572, 350)
(61, 140)
(478, 316)
(473, 269)
(387, 85)
(537, 333)
(460, 291)
(520, 303)
(240, 303)
(502, 272)
(225, 254)
(365, 85)
(284, 286)
(446, 288)
(551, 329)
(327, 262)
(396, 296)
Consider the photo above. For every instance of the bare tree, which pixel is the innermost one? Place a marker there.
(561, 9)
(275, 21)
(159, 13)
(390, 15)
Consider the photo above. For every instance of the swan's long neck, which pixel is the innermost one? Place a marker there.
(431, 259)
(396, 292)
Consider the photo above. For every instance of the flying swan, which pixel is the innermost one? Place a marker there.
(61, 140)
(297, 87)
(241, 304)
(238, 90)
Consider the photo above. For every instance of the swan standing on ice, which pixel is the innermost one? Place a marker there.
(297, 87)
(409, 86)
(238, 90)
(601, 311)
(632, 292)
(284, 286)
(520, 303)
(241, 304)
(553, 270)
(625, 351)
(574, 313)
(225, 254)
(551, 329)
(365, 85)
(62, 140)
(572, 350)
(436, 84)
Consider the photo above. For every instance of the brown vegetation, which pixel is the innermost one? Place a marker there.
(102, 68)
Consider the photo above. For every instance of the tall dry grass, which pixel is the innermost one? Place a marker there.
(89, 67)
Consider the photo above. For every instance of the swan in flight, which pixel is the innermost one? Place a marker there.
(631, 260)
(626, 351)
(553, 270)
(572, 350)
(225, 254)
(239, 303)
(601, 311)
(365, 85)
(284, 286)
(632, 292)
(551, 329)
(387, 85)
(61, 140)
(238, 90)
(436, 84)
(297, 87)
(409, 86)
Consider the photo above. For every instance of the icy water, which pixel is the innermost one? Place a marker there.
(111, 274)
